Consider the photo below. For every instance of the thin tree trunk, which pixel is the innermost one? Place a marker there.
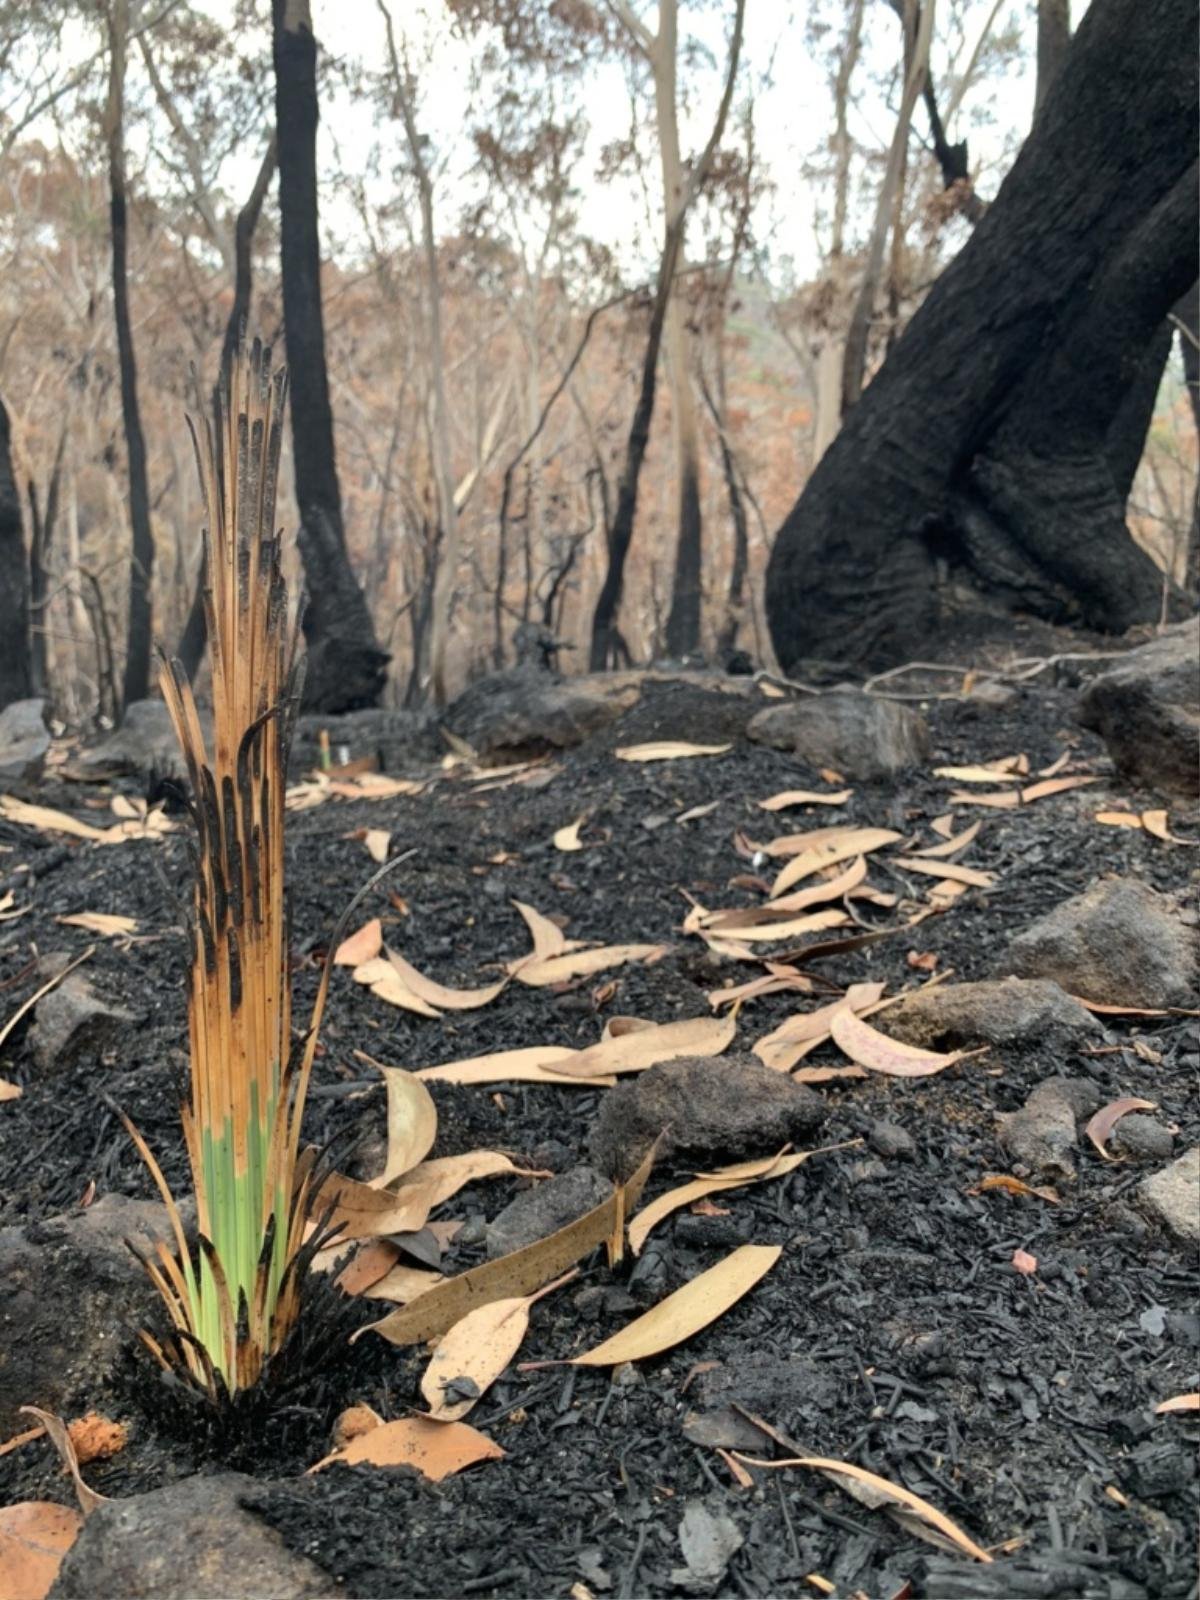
(1188, 313)
(136, 685)
(16, 661)
(346, 667)
(1053, 41)
(195, 632)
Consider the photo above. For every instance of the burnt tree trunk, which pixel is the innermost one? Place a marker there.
(984, 438)
(195, 632)
(1188, 314)
(16, 662)
(345, 664)
(138, 639)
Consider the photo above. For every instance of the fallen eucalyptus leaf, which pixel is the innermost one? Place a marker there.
(437, 994)
(478, 1349)
(626, 1048)
(797, 1035)
(946, 871)
(582, 963)
(530, 1065)
(1105, 1120)
(853, 842)
(869, 1048)
(109, 926)
(436, 1449)
(411, 1122)
(1178, 1402)
(35, 1535)
(805, 797)
(668, 750)
(1049, 786)
(567, 839)
(360, 947)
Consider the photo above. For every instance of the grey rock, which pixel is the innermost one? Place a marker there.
(1172, 1196)
(1004, 1012)
(988, 695)
(709, 1541)
(1042, 1135)
(545, 1208)
(193, 1540)
(145, 742)
(1142, 1138)
(72, 1295)
(858, 735)
(24, 741)
(868, 1170)
(1119, 943)
(1147, 710)
(710, 1108)
(72, 1021)
(891, 1141)
(524, 710)
(393, 737)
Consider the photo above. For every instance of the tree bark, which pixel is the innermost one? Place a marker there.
(1053, 39)
(16, 662)
(195, 632)
(138, 639)
(1188, 313)
(983, 438)
(346, 667)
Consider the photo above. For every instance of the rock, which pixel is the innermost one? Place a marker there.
(193, 1540)
(988, 695)
(144, 743)
(24, 741)
(1004, 1012)
(524, 711)
(544, 1209)
(1146, 708)
(392, 737)
(1172, 1196)
(1120, 944)
(72, 1294)
(715, 1109)
(1142, 1139)
(1042, 1135)
(868, 1170)
(709, 1541)
(73, 1021)
(857, 735)
(891, 1141)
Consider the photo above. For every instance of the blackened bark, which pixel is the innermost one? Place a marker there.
(136, 683)
(1053, 38)
(346, 667)
(1188, 314)
(16, 665)
(42, 525)
(735, 598)
(683, 619)
(195, 632)
(606, 646)
(983, 437)
(1125, 442)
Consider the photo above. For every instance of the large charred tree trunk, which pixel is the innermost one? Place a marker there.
(345, 663)
(141, 565)
(984, 439)
(16, 663)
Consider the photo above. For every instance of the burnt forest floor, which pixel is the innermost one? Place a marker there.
(1004, 1399)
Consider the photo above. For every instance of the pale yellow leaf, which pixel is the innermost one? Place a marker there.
(813, 840)
(977, 774)
(952, 844)
(436, 1449)
(768, 930)
(1049, 786)
(440, 1178)
(411, 1122)
(582, 963)
(9, 1091)
(797, 1035)
(437, 994)
(1105, 1120)
(633, 1049)
(548, 938)
(1178, 1402)
(530, 1065)
(377, 841)
(101, 922)
(386, 984)
(869, 1048)
(567, 839)
(1156, 823)
(668, 750)
(360, 947)
(478, 1348)
(518, 1273)
(946, 871)
(689, 1309)
(777, 910)
(122, 806)
(853, 842)
(1119, 819)
(893, 1492)
(1003, 799)
(805, 797)
(694, 813)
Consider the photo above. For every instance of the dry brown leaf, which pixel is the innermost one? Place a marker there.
(437, 994)
(946, 871)
(668, 750)
(795, 1037)
(826, 1074)
(478, 1349)
(101, 922)
(582, 963)
(443, 1176)
(46, 820)
(767, 929)
(34, 1537)
(1056, 766)
(952, 844)
(9, 1091)
(627, 1048)
(1011, 1185)
(370, 1262)
(360, 947)
(377, 841)
(685, 1312)
(704, 1184)
(778, 910)
(694, 813)
(814, 841)
(411, 1122)
(519, 1273)
(403, 1284)
(943, 825)
(780, 982)
(874, 1050)
(945, 892)
(1178, 1402)
(1002, 799)
(353, 1423)
(61, 1439)
(374, 786)
(1119, 819)
(805, 797)
(1024, 1263)
(892, 1492)
(548, 938)
(567, 839)
(436, 1449)
(1049, 786)
(531, 1065)
(1103, 1010)
(1105, 1120)
(361, 1211)
(385, 983)
(1005, 771)
(854, 842)
(1157, 823)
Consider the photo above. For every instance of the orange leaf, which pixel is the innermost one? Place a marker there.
(1024, 1262)
(34, 1538)
(1179, 1402)
(436, 1449)
(362, 946)
(1106, 1119)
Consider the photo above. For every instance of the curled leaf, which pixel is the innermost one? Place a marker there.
(874, 1050)
(805, 797)
(631, 1045)
(360, 947)
(437, 994)
(472, 1354)
(852, 842)
(581, 963)
(61, 1439)
(531, 1065)
(567, 839)
(1105, 1120)
(411, 1122)
(1178, 1402)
